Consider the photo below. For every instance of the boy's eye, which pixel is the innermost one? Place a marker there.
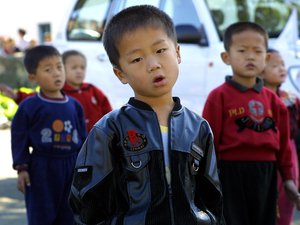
(136, 60)
(161, 50)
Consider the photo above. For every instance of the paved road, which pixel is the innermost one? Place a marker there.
(12, 208)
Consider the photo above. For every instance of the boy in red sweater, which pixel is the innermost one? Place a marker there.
(94, 102)
(251, 131)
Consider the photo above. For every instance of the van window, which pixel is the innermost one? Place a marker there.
(87, 20)
(129, 3)
(226, 12)
(181, 11)
(188, 26)
(89, 16)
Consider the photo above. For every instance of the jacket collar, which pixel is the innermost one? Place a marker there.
(68, 87)
(142, 105)
(257, 87)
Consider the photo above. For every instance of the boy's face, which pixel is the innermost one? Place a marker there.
(50, 76)
(275, 71)
(148, 62)
(75, 67)
(247, 55)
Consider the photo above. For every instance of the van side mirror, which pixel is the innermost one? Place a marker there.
(187, 33)
(294, 76)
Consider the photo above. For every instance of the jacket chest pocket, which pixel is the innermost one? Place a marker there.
(196, 156)
(135, 164)
(136, 180)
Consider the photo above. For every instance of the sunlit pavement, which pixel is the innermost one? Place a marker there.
(12, 208)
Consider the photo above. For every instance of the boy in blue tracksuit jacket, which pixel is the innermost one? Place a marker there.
(47, 132)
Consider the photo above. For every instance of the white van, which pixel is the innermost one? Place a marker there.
(199, 25)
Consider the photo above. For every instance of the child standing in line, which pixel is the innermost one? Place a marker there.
(274, 75)
(151, 161)
(251, 133)
(52, 124)
(94, 102)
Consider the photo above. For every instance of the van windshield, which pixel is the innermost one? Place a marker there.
(87, 20)
(272, 15)
(89, 16)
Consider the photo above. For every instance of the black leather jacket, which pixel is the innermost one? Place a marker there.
(120, 173)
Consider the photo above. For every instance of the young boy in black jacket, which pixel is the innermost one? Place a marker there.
(152, 161)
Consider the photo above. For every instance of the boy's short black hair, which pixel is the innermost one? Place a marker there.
(36, 54)
(239, 27)
(69, 53)
(129, 20)
(272, 50)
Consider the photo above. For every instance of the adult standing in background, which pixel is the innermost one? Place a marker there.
(22, 44)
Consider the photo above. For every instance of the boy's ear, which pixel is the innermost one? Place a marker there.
(268, 56)
(225, 58)
(178, 53)
(121, 76)
(32, 77)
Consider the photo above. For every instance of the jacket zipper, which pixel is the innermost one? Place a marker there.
(170, 185)
(171, 205)
(170, 191)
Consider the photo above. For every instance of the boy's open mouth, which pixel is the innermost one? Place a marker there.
(57, 82)
(158, 79)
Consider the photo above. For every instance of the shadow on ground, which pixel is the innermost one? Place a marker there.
(12, 206)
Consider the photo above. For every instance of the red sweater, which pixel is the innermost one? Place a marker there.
(94, 102)
(249, 125)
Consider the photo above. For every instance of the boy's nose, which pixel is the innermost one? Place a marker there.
(58, 73)
(251, 55)
(283, 68)
(152, 64)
